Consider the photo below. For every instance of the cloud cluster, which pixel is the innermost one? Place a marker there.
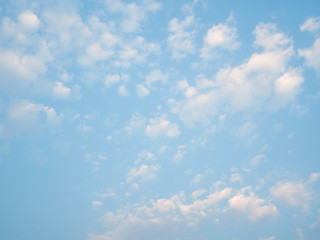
(264, 81)
(180, 40)
(223, 36)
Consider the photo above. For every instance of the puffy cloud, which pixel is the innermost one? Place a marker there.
(94, 52)
(15, 65)
(156, 76)
(65, 31)
(162, 127)
(312, 55)
(288, 85)
(31, 113)
(222, 35)
(171, 210)
(29, 118)
(312, 24)
(180, 40)
(196, 194)
(251, 206)
(267, 238)
(143, 173)
(269, 38)
(256, 160)
(133, 13)
(314, 177)
(294, 194)
(96, 205)
(60, 91)
(29, 21)
(111, 79)
(137, 122)
(181, 151)
(142, 91)
(236, 177)
(123, 91)
(263, 82)
(197, 179)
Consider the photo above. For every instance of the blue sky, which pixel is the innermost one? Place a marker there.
(159, 120)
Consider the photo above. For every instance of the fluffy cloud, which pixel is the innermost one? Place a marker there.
(60, 91)
(29, 21)
(93, 53)
(137, 122)
(31, 113)
(267, 238)
(142, 91)
(222, 35)
(314, 177)
(162, 127)
(256, 160)
(312, 24)
(180, 40)
(111, 79)
(96, 205)
(269, 38)
(123, 91)
(294, 194)
(143, 173)
(15, 65)
(312, 55)
(132, 13)
(264, 81)
(156, 76)
(29, 118)
(252, 206)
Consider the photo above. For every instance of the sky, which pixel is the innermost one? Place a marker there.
(139, 120)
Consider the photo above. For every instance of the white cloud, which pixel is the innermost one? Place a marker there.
(145, 156)
(179, 154)
(269, 38)
(236, 177)
(29, 113)
(314, 177)
(312, 55)
(251, 206)
(143, 173)
(299, 233)
(156, 76)
(94, 52)
(287, 86)
(162, 127)
(196, 194)
(312, 24)
(222, 35)
(96, 205)
(147, 219)
(142, 91)
(133, 13)
(256, 160)
(197, 179)
(60, 91)
(84, 128)
(66, 31)
(180, 40)
(25, 117)
(18, 66)
(123, 91)
(267, 238)
(294, 194)
(137, 122)
(29, 21)
(264, 82)
(111, 79)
